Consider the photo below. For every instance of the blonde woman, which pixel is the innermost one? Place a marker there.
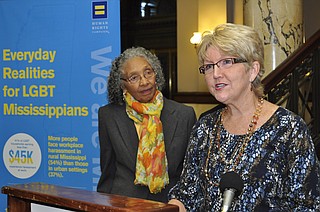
(267, 148)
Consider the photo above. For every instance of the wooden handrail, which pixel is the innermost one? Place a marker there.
(21, 196)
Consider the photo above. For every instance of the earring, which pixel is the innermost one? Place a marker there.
(251, 86)
(124, 95)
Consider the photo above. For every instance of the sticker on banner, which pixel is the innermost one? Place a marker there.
(22, 155)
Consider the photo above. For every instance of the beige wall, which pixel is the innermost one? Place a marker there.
(187, 23)
(197, 15)
(200, 108)
(192, 16)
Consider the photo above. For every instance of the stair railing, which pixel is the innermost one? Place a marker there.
(295, 84)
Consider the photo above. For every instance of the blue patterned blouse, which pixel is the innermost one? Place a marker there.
(279, 167)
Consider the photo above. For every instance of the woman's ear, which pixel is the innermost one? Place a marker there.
(123, 87)
(254, 71)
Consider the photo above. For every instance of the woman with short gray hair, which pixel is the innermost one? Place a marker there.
(143, 135)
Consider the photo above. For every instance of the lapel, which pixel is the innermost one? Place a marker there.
(169, 122)
(128, 134)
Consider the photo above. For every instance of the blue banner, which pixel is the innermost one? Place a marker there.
(55, 60)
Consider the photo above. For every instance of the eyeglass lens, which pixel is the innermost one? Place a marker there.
(148, 74)
(222, 64)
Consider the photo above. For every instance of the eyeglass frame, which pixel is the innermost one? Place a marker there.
(234, 61)
(140, 77)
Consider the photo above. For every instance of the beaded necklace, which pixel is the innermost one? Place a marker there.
(235, 159)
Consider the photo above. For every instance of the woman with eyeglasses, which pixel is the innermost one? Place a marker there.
(143, 136)
(250, 155)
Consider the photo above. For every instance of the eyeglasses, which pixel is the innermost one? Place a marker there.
(222, 64)
(148, 74)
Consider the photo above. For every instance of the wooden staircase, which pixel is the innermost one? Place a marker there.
(295, 84)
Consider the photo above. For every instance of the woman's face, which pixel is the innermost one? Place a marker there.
(230, 84)
(144, 89)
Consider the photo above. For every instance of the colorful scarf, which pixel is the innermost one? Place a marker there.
(152, 164)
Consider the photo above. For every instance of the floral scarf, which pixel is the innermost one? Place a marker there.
(152, 164)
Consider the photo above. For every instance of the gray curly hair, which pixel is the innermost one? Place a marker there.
(115, 86)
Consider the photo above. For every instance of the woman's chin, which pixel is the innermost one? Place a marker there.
(220, 99)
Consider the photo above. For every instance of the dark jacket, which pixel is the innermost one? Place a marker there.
(119, 144)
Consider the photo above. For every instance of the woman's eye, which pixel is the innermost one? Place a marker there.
(133, 78)
(209, 66)
(148, 72)
(227, 61)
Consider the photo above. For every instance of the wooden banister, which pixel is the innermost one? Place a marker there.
(21, 196)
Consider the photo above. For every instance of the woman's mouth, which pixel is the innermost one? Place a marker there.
(219, 86)
(146, 91)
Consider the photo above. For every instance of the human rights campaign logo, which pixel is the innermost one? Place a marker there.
(99, 9)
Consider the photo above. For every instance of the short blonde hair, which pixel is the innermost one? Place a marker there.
(238, 41)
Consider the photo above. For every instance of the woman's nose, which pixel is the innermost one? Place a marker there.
(143, 80)
(216, 72)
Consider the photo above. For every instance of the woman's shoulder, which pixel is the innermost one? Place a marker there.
(212, 110)
(286, 114)
(178, 110)
(207, 120)
(282, 116)
(111, 108)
